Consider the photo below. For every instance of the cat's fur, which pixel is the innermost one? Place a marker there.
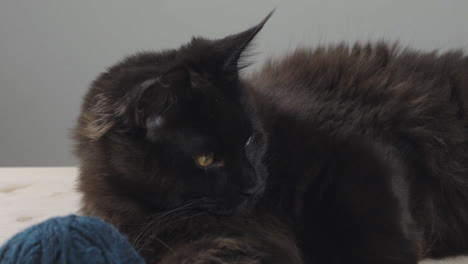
(239, 241)
(369, 149)
(144, 121)
(360, 154)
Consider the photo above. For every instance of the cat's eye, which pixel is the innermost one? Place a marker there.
(205, 160)
(248, 141)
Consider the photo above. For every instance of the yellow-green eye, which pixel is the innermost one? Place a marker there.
(204, 160)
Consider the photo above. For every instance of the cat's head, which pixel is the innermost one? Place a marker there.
(172, 127)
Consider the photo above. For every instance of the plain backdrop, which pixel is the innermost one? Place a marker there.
(51, 50)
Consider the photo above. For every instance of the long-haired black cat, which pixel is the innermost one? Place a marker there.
(331, 155)
(166, 155)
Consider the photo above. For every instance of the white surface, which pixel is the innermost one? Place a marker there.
(31, 195)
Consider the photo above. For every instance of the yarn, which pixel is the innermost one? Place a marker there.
(72, 240)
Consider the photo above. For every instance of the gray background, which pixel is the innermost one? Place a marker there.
(51, 50)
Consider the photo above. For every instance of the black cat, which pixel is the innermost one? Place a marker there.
(166, 155)
(355, 155)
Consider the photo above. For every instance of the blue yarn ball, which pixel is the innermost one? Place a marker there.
(71, 239)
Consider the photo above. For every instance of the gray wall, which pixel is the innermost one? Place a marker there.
(51, 50)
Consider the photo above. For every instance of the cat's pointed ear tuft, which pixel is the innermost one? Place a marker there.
(157, 95)
(236, 46)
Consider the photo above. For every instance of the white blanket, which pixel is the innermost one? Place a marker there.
(32, 195)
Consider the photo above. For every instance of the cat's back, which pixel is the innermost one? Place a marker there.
(412, 101)
(379, 85)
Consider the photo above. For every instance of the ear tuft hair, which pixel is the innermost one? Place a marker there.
(239, 44)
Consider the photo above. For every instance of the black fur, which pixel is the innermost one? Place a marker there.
(142, 125)
(369, 151)
(357, 154)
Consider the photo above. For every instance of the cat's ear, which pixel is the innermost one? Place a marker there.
(100, 117)
(235, 46)
(158, 94)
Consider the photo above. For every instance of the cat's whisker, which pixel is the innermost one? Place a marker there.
(269, 158)
(160, 220)
(152, 236)
(186, 218)
(149, 225)
(160, 241)
(429, 248)
(168, 220)
(159, 215)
